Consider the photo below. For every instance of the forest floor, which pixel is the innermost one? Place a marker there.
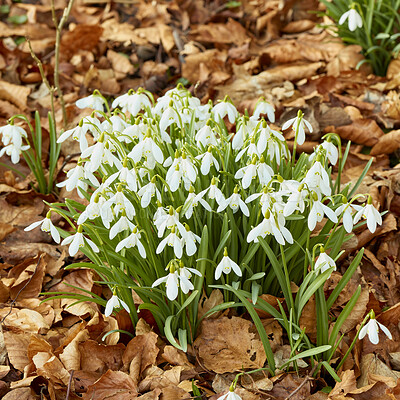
(276, 49)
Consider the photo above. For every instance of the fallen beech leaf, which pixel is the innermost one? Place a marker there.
(71, 357)
(97, 357)
(288, 385)
(17, 345)
(174, 393)
(143, 350)
(26, 320)
(387, 144)
(120, 63)
(113, 385)
(308, 319)
(229, 344)
(20, 394)
(361, 131)
(371, 364)
(175, 357)
(347, 384)
(51, 367)
(15, 94)
(207, 303)
(298, 26)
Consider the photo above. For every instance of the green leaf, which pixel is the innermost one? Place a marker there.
(17, 19)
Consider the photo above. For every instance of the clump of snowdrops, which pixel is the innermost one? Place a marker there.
(179, 206)
(374, 25)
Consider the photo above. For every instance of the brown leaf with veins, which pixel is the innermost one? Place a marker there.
(361, 131)
(113, 385)
(229, 344)
(17, 345)
(387, 144)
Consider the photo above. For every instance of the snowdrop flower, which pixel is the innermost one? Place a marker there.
(263, 107)
(131, 241)
(226, 265)
(132, 102)
(185, 274)
(93, 101)
(121, 204)
(171, 284)
(125, 176)
(324, 262)
(296, 201)
(354, 19)
(268, 137)
(214, 192)
(371, 214)
(317, 179)
(223, 108)
(147, 149)
(77, 241)
(231, 395)
(13, 151)
(168, 117)
(115, 302)
(46, 226)
(92, 211)
(78, 133)
(123, 224)
(147, 192)
(207, 160)
(245, 127)
(193, 200)
(206, 135)
(173, 241)
(234, 202)
(12, 134)
(251, 150)
(169, 220)
(346, 210)
(190, 240)
(250, 172)
(372, 329)
(317, 212)
(297, 124)
(332, 152)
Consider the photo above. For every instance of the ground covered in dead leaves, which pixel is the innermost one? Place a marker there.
(273, 48)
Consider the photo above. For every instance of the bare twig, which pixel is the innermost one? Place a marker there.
(59, 26)
(69, 384)
(306, 379)
(20, 290)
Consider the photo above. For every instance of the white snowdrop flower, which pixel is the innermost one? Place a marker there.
(371, 214)
(270, 226)
(147, 192)
(271, 140)
(93, 125)
(332, 152)
(317, 212)
(251, 150)
(207, 160)
(114, 124)
(346, 211)
(171, 284)
(354, 19)
(173, 241)
(190, 240)
(133, 132)
(78, 134)
(75, 178)
(245, 127)
(226, 265)
(206, 136)
(298, 124)
(193, 200)
(174, 178)
(95, 153)
(93, 101)
(92, 210)
(77, 241)
(13, 151)
(125, 176)
(225, 108)
(147, 149)
(46, 226)
(214, 192)
(317, 179)
(234, 202)
(121, 203)
(169, 220)
(12, 134)
(296, 201)
(251, 171)
(159, 215)
(123, 224)
(324, 262)
(372, 329)
(115, 302)
(231, 395)
(185, 274)
(263, 107)
(132, 102)
(133, 240)
(168, 117)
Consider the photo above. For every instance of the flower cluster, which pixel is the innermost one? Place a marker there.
(155, 174)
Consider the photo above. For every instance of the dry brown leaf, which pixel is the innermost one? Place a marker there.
(298, 26)
(387, 144)
(143, 349)
(71, 356)
(97, 357)
(20, 394)
(207, 303)
(17, 348)
(347, 384)
(371, 364)
(166, 37)
(308, 319)
(51, 367)
(113, 385)
(15, 94)
(174, 393)
(175, 357)
(229, 344)
(361, 131)
(120, 64)
(26, 320)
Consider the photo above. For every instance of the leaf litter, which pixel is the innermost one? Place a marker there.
(56, 350)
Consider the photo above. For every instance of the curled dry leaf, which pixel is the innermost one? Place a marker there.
(229, 344)
(15, 94)
(26, 320)
(113, 385)
(51, 367)
(207, 303)
(387, 144)
(17, 345)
